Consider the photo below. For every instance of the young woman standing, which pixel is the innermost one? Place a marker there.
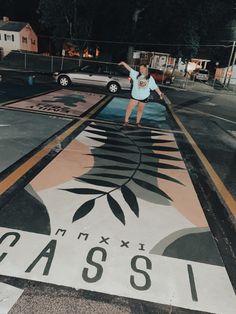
(143, 84)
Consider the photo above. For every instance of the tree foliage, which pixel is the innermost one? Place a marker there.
(182, 24)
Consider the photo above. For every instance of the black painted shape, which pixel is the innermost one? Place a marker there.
(116, 149)
(98, 266)
(151, 187)
(83, 191)
(130, 199)
(84, 210)
(116, 209)
(103, 127)
(192, 283)
(161, 148)
(161, 156)
(104, 240)
(134, 267)
(135, 133)
(141, 177)
(9, 234)
(98, 182)
(48, 252)
(121, 168)
(69, 100)
(124, 244)
(197, 247)
(108, 175)
(109, 141)
(114, 158)
(160, 175)
(107, 133)
(26, 213)
(152, 141)
(161, 165)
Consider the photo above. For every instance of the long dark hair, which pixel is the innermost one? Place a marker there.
(147, 77)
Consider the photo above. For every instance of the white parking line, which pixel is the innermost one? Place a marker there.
(208, 103)
(207, 114)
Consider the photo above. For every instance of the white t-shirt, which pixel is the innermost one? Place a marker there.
(141, 86)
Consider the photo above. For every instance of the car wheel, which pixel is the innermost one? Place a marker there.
(113, 87)
(64, 81)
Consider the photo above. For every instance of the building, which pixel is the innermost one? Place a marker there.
(155, 60)
(16, 36)
(193, 65)
(164, 61)
(226, 75)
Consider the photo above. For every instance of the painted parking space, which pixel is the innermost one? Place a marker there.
(117, 212)
(154, 115)
(67, 103)
(22, 132)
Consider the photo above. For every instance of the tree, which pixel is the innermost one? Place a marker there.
(69, 19)
(15, 10)
(182, 25)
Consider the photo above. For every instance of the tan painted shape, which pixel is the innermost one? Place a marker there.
(69, 164)
(184, 197)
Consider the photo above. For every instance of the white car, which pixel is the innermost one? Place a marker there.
(111, 76)
(201, 75)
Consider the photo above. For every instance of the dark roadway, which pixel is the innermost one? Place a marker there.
(211, 120)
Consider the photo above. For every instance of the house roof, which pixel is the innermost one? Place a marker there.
(12, 26)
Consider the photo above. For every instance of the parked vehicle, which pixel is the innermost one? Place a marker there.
(111, 76)
(201, 75)
(167, 78)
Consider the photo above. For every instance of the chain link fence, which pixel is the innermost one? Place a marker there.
(163, 66)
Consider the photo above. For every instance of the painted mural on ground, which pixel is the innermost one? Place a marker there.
(154, 115)
(116, 212)
(64, 102)
(119, 215)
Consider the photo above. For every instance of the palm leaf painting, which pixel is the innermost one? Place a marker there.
(126, 160)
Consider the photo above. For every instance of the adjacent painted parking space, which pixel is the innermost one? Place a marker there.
(62, 102)
(21, 132)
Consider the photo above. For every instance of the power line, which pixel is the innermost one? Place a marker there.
(135, 43)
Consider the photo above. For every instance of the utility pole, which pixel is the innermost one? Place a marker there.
(230, 60)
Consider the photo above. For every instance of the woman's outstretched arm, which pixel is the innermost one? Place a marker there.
(125, 65)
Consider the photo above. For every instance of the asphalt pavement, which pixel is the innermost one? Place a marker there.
(65, 146)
